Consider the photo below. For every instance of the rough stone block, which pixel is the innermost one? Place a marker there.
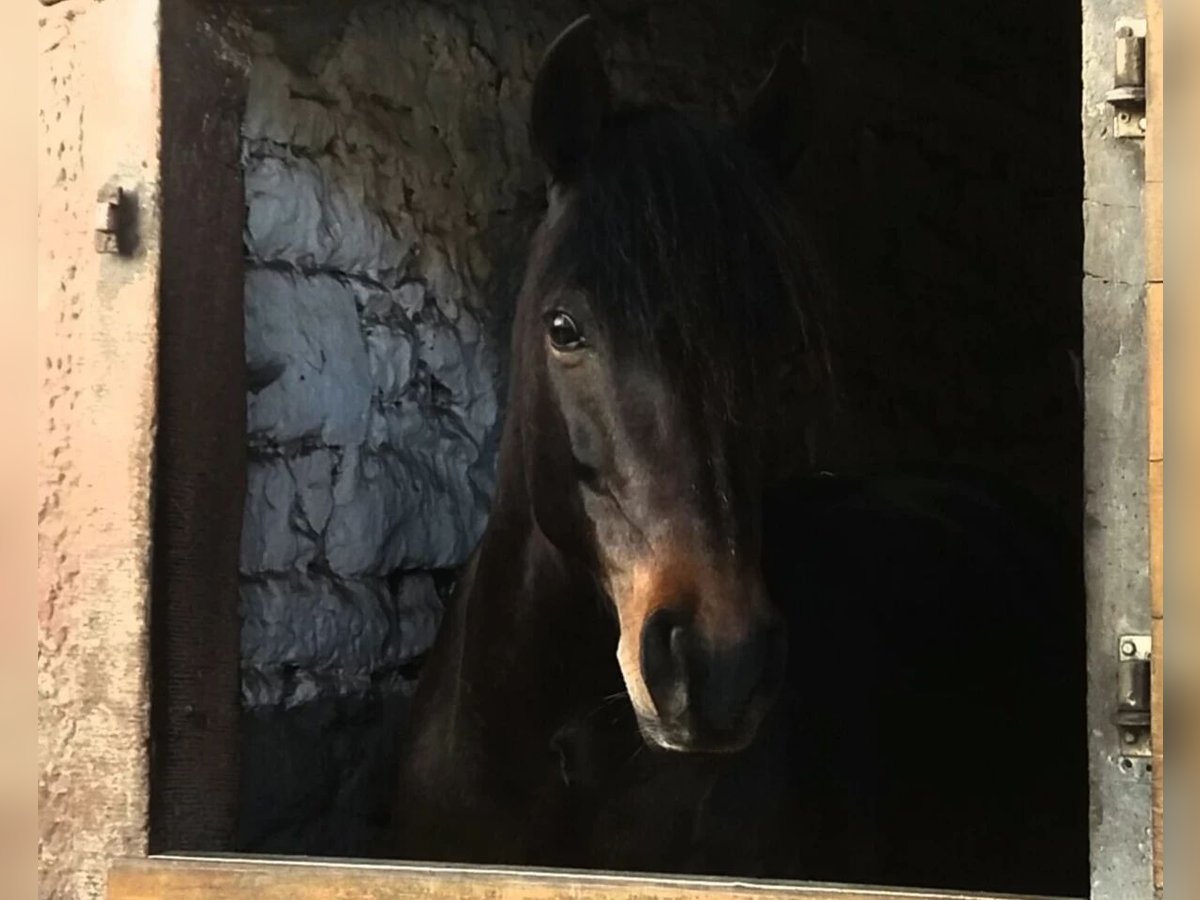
(308, 364)
(307, 636)
(283, 112)
(315, 214)
(269, 544)
(405, 509)
(398, 304)
(390, 360)
(288, 502)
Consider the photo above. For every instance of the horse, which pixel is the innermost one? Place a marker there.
(657, 661)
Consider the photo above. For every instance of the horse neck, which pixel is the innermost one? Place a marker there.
(526, 625)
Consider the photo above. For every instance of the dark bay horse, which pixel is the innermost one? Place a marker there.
(653, 662)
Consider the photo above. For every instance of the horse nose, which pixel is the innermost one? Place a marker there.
(665, 662)
(706, 691)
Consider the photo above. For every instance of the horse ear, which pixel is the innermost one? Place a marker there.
(571, 97)
(775, 124)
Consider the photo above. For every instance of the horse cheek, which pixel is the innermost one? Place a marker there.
(553, 486)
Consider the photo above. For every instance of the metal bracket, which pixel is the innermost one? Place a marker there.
(1128, 94)
(116, 221)
(1132, 715)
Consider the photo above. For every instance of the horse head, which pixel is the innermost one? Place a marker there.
(665, 283)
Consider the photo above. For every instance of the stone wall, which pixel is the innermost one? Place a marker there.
(372, 405)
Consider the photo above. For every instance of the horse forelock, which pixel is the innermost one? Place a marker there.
(691, 257)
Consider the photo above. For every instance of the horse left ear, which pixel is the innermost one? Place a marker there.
(775, 124)
(571, 97)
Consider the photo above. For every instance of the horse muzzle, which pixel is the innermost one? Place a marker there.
(709, 696)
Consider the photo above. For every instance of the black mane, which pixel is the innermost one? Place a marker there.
(683, 235)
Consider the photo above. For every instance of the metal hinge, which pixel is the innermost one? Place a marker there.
(1132, 716)
(1128, 94)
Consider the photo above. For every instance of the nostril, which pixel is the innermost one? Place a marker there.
(736, 679)
(677, 649)
(664, 663)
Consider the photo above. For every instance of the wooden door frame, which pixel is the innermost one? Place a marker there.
(1152, 203)
(1155, 301)
(1122, 445)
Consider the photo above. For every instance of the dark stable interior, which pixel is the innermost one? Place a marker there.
(943, 182)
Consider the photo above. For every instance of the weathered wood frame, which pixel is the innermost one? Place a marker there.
(204, 878)
(1155, 313)
(98, 460)
(1122, 444)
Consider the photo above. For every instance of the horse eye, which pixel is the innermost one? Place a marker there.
(564, 333)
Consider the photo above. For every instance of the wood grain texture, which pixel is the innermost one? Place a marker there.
(1156, 539)
(1157, 725)
(1153, 200)
(1154, 369)
(266, 879)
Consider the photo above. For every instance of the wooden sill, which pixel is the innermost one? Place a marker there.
(302, 878)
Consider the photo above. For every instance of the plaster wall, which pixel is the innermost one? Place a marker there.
(96, 314)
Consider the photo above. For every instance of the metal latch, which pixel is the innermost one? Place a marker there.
(1128, 95)
(116, 221)
(1133, 694)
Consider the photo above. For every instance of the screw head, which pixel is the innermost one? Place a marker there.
(1128, 648)
(1129, 737)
